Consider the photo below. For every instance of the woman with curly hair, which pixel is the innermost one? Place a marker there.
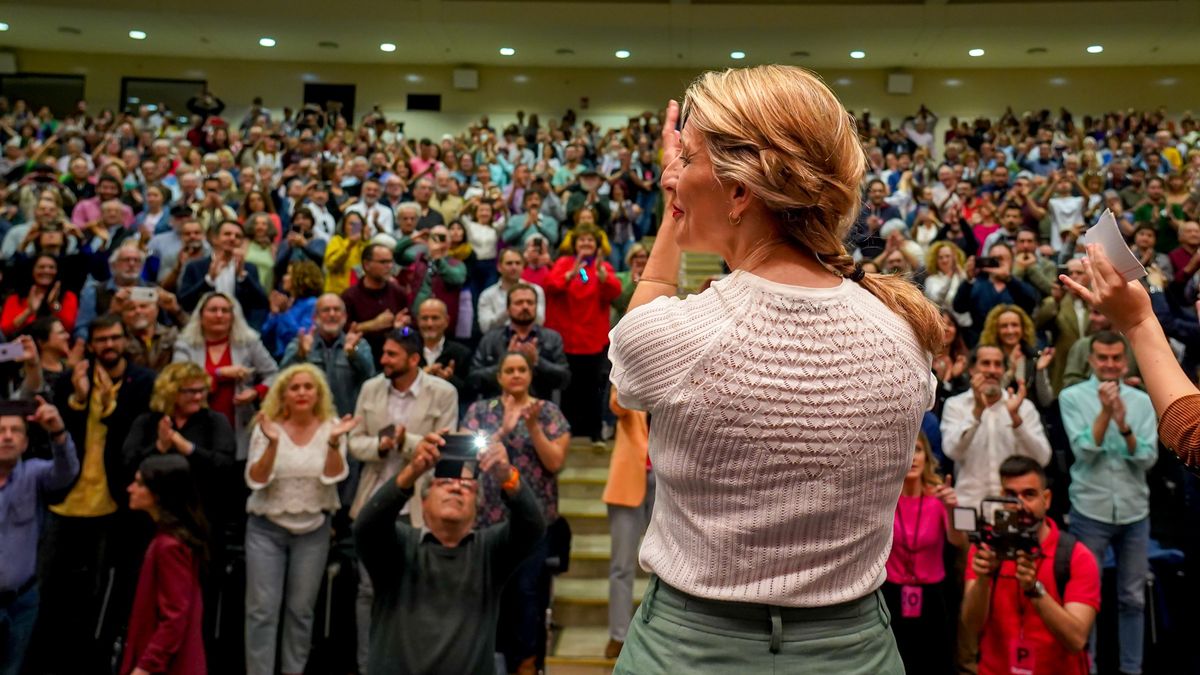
(945, 265)
(1010, 328)
(297, 458)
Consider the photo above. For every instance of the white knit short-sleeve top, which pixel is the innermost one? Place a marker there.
(783, 420)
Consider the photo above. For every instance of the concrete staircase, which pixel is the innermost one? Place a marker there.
(580, 607)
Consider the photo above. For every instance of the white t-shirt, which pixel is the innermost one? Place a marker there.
(784, 421)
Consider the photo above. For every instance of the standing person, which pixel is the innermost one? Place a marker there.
(297, 458)
(441, 356)
(450, 573)
(770, 519)
(377, 303)
(43, 296)
(233, 355)
(543, 346)
(343, 254)
(25, 488)
(166, 626)
(226, 271)
(579, 292)
(89, 542)
(983, 426)
(493, 302)
(343, 356)
(1113, 435)
(629, 495)
(923, 617)
(412, 404)
(535, 434)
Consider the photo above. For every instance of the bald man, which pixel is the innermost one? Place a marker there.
(443, 357)
(345, 358)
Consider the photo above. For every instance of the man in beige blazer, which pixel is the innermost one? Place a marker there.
(413, 404)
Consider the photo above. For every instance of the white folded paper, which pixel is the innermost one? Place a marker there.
(1108, 235)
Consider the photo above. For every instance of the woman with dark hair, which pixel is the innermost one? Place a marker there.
(257, 201)
(43, 296)
(166, 625)
(343, 255)
(950, 366)
(292, 309)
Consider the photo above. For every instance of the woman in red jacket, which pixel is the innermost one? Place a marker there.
(579, 293)
(44, 296)
(165, 627)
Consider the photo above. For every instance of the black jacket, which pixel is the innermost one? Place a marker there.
(460, 354)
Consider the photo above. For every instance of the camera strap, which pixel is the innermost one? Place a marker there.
(1062, 562)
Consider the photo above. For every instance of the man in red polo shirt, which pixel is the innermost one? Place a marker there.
(1025, 624)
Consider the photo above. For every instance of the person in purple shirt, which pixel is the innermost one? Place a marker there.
(88, 210)
(24, 486)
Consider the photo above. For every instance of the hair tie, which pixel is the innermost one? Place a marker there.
(858, 273)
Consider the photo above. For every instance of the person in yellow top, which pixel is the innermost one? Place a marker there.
(343, 254)
(92, 549)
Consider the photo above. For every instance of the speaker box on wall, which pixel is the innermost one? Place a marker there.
(8, 63)
(900, 83)
(466, 79)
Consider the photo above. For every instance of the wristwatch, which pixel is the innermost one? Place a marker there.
(1037, 591)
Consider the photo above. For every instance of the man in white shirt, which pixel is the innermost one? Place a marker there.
(379, 217)
(984, 426)
(493, 302)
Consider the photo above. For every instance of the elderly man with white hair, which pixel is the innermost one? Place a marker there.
(125, 265)
(445, 199)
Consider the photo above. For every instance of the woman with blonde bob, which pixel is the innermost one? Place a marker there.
(297, 458)
(945, 266)
(786, 398)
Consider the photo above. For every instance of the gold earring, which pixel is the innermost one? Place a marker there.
(734, 221)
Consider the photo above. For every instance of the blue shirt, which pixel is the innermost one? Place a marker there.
(1108, 482)
(22, 504)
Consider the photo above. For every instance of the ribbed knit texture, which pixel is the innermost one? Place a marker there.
(1178, 429)
(783, 420)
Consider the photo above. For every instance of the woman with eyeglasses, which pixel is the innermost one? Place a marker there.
(536, 435)
(343, 255)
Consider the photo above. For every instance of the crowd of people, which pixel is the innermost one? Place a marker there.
(258, 333)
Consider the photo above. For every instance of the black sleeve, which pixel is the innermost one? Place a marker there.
(140, 443)
(378, 535)
(517, 537)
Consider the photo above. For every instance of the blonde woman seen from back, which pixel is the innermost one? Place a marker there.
(786, 398)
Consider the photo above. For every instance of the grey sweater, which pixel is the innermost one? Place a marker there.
(435, 607)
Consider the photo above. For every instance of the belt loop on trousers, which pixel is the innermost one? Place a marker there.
(884, 613)
(776, 629)
(648, 601)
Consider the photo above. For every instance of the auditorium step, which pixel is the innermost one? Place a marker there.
(696, 268)
(580, 605)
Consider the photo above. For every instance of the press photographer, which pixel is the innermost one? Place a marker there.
(1033, 613)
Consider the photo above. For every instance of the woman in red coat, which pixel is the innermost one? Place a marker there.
(165, 628)
(579, 293)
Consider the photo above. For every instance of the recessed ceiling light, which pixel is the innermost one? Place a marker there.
(1168, 81)
(507, 51)
(3, 26)
(953, 82)
(413, 77)
(843, 81)
(627, 79)
(520, 79)
(1058, 81)
(622, 54)
(387, 47)
(858, 54)
(975, 52)
(737, 55)
(137, 34)
(266, 42)
(1095, 49)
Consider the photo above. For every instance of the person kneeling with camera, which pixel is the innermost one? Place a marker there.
(1032, 607)
(437, 589)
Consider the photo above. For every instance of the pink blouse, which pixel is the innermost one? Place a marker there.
(919, 535)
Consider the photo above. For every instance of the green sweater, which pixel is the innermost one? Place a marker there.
(435, 607)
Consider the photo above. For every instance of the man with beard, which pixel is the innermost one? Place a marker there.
(542, 346)
(150, 344)
(343, 356)
(397, 408)
(378, 303)
(92, 546)
(125, 272)
(983, 426)
(226, 271)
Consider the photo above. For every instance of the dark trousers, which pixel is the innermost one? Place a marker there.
(521, 631)
(16, 627)
(583, 402)
(88, 572)
(926, 642)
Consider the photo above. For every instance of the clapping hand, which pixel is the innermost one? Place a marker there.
(1013, 403)
(269, 428)
(532, 413)
(345, 424)
(353, 336)
(1045, 358)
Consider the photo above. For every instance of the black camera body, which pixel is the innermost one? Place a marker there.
(1010, 531)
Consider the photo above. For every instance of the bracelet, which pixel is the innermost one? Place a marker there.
(1128, 431)
(514, 479)
(658, 281)
(56, 434)
(334, 441)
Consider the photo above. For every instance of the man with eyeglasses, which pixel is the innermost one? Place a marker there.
(378, 303)
(397, 408)
(343, 356)
(448, 573)
(87, 580)
(101, 297)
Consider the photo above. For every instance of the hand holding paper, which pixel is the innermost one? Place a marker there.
(1109, 237)
(1124, 301)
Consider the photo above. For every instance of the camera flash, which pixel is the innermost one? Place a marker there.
(480, 442)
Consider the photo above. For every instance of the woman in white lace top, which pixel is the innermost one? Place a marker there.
(297, 458)
(785, 400)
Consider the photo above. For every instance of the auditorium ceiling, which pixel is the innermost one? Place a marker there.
(647, 33)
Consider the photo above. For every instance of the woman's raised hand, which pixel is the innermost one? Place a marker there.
(343, 425)
(1125, 302)
(670, 148)
(269, 428)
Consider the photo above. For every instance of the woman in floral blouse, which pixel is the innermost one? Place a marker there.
(536, 434)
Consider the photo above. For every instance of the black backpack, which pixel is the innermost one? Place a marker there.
(1062, 561)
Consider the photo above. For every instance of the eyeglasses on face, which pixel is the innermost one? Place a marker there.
(465, 483)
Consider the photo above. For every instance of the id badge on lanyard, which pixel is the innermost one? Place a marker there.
(1021, 659)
